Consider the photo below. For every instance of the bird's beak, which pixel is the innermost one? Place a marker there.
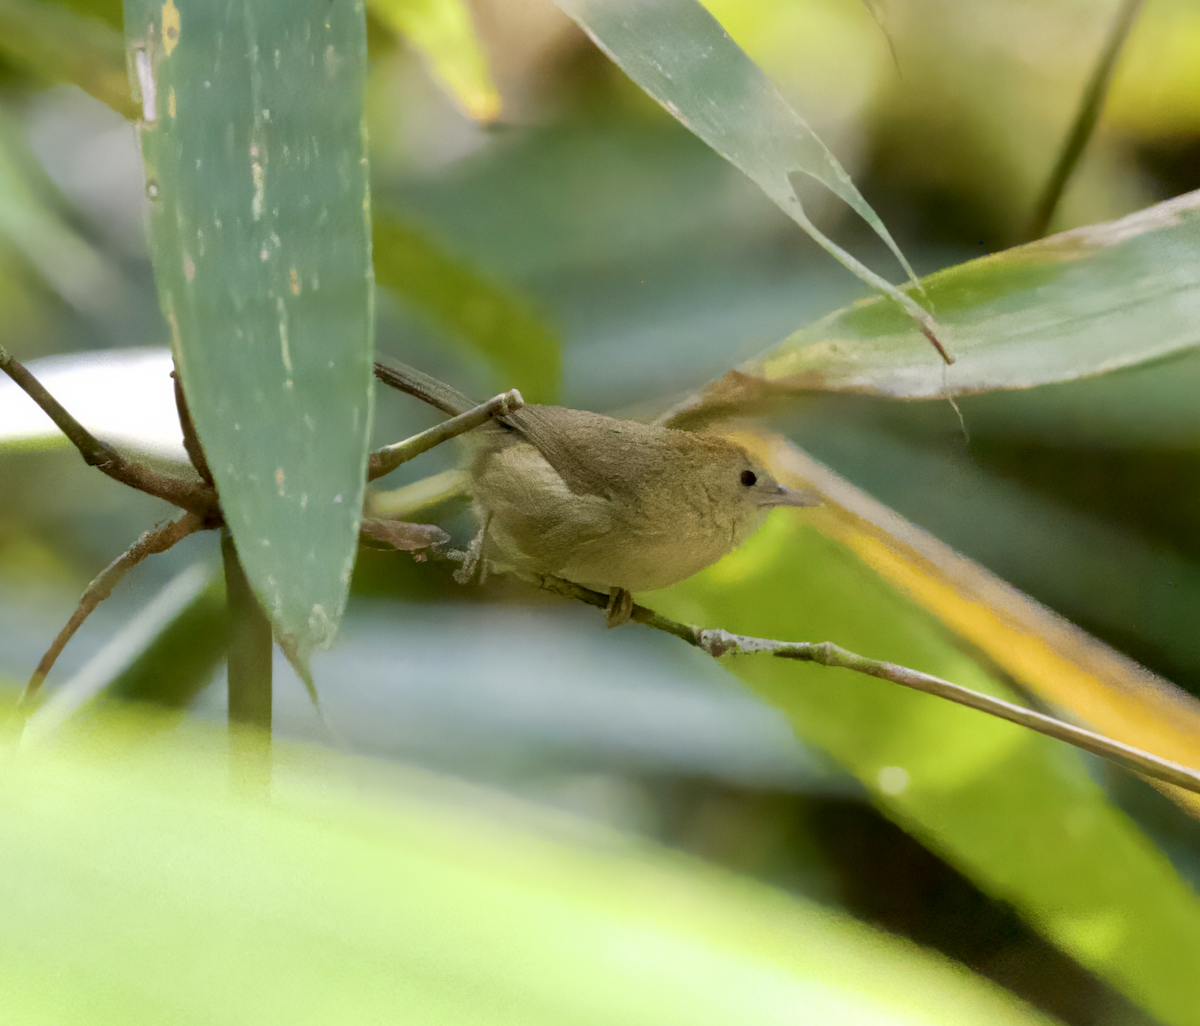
(784, 496)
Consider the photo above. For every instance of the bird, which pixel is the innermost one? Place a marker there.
(608, 503)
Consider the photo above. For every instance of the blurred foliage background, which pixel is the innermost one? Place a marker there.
(540, 223)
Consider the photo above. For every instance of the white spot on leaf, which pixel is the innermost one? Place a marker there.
(149, 90)
(893, 780)
(258, 175)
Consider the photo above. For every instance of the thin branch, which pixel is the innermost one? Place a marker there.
(148, 544)
(718, 643)
(1086, 117)
(385, 460)
(191, 440)
(192, 496)
(398, 534)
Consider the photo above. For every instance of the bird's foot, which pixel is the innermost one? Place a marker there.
(619, 609)
(474, 563)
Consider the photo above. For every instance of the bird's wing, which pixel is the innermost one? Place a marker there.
(542, 427)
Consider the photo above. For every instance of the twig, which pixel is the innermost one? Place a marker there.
(191, 440)
(718, 643)
(147, 545)
(193, 496)
(398, 534)
(1085, 119)
(385, 460)
(412, 500)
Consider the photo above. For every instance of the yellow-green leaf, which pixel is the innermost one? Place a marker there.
(443, 33)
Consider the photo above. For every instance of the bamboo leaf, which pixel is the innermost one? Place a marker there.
(56, 44)
(133, 879)
(679, 54)
(442, 31)
(1073, 305)
(503, 327)
(30, 225)
(259, 225)
(1015, 811)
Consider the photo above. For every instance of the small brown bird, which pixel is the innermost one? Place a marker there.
(613, 505)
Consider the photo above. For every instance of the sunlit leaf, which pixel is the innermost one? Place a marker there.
(1015, 811)
(259, 226)
(443, 33)
(1063, 665)
(1156, 89)
(123, 396)
(138, 889)
(55, 44)
(1015, 508)
(503, 327)
(1081, 303)
(679, 54)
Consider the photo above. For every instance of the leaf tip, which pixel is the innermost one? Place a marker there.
(928, 332)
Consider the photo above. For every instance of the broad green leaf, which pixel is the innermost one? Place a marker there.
(1138, 591)
(256, 171)
(679, 54)
(1016, 812)
(503, 327)
(138, 889)
(1061, 664)
(55, 44)
(443, 33)
(1081, 303)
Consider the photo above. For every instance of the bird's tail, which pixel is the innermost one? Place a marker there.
(425, 387)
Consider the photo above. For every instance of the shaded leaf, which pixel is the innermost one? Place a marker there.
(58, 45)
(508, 331)
(442, 31)
(64, 260)
(362, 894)
(1081, 303)
(679, 54)
(1015, 811)
(259, 226)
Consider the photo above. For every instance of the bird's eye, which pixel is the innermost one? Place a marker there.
(749, 478)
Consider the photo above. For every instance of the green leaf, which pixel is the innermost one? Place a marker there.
(31, 226)
(506, 329)
(259, 221)
(442, 31)
(57, 45)
(1016, 812)
(679, 54)
(138, 889)
(1081, 303)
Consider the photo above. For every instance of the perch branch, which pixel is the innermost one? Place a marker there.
(385, 460)
(192, 496)
(718, 643)
(148, 544)
(191, 440)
